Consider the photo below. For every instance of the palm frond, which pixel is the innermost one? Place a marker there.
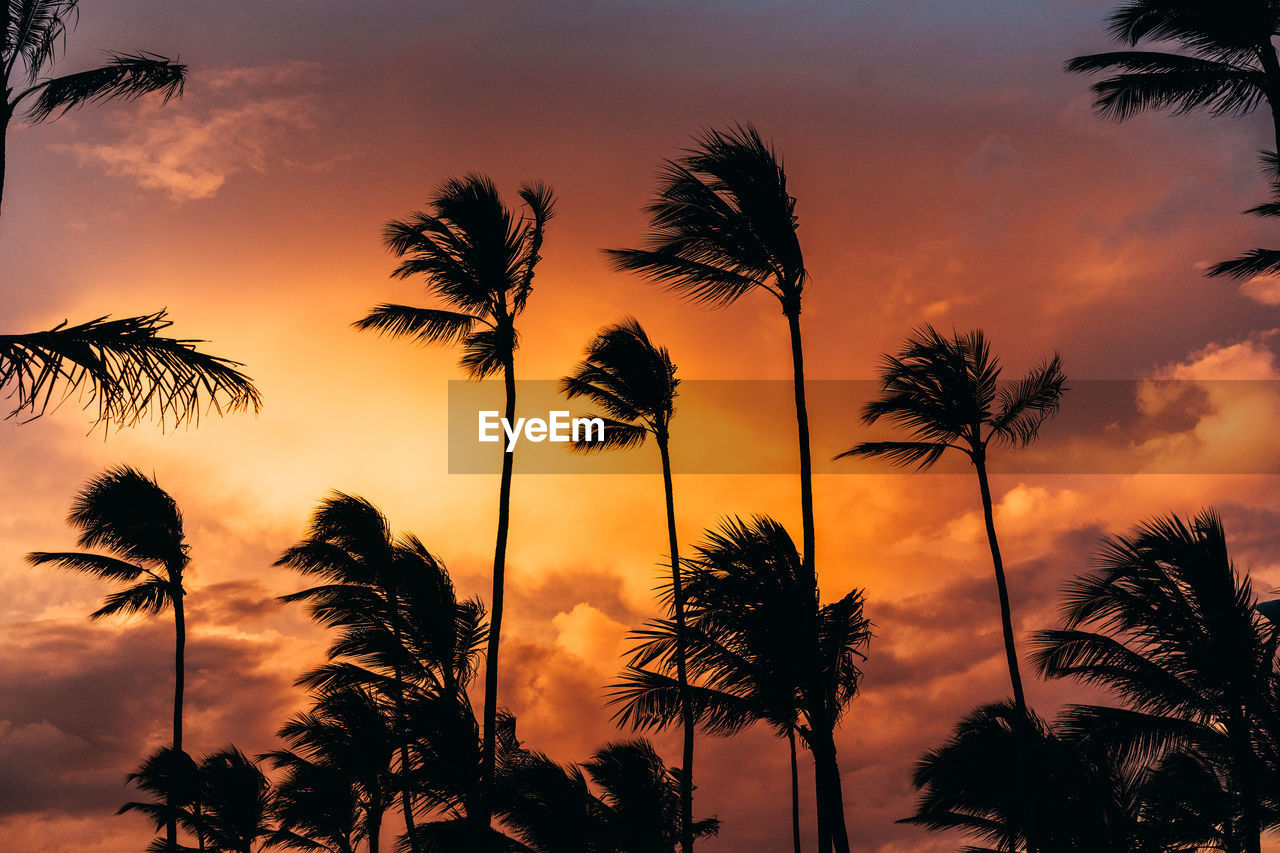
(125, 368)
(1252, 263)
(99, 565)
(426, 325)
(922, 454)
(1028, 403)
(128, 76)
(149, 597)
(36, 29)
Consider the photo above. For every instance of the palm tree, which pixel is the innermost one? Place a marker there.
(172, 778)
(947, 392)
(551, 809)
(317, 807)
(1227, 64)
(1166, 623)
(125, 513)
(235, 803)
(634, 382)
(971, 784)
(125, 368)
(723, 225)
(478, 258)
(33, 32)
(403, 633)
(759, 647)
(349, 732)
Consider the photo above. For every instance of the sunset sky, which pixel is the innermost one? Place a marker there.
(946, 171)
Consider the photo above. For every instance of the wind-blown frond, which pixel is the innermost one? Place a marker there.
(125, 368)
(427, 325)
(922, 454)
(1252, 263)
(100, 565)
(128, 76)
(722, 224)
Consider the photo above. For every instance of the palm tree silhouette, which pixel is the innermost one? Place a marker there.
(124, 368)
(1227, 64)
(172, 778)
(317, 807)
(34, 30)
(125, 513)
(403, 634)
(478, 258)
(634, 382)
(947, 392)
(235, 803)
(759, 647)
(550, 808)
(971, 784)
(1166, 623)
(723, 225)
(349, 732)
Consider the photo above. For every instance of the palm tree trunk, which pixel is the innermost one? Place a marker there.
(1246, 778)
(1011, 655)
(1271, 70)
(179, 679)
(795, 792)
(1006, 615)
(402, 723)
(6, 112)
(832, 832)
(802, 428)
(682, 675)
(372, 829)
(489, 754)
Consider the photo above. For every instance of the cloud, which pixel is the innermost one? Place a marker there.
(234, 120)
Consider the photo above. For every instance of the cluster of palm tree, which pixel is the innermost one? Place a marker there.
(389, 736)
(1188, 761)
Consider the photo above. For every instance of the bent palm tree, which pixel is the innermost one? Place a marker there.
(125, 513)
(1228, 65)
(125, 368)
(479, 259)
(404, 635)
(33, 30)
(634, 383)
(759, 647)
(348, 733)
(947, 392)
(1167, 623)
(235, 803)
(172, 778)
(723, 225)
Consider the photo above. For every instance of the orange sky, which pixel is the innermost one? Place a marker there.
(946, 171)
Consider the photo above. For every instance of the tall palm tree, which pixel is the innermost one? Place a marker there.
(1227, 64)
(33, 31)
(403, 633)
(127, 514)
(123, 367)
(948, 393)
(722, 226)
(478, 258)
(1166, 623)
(760, 647)
(634, 382)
